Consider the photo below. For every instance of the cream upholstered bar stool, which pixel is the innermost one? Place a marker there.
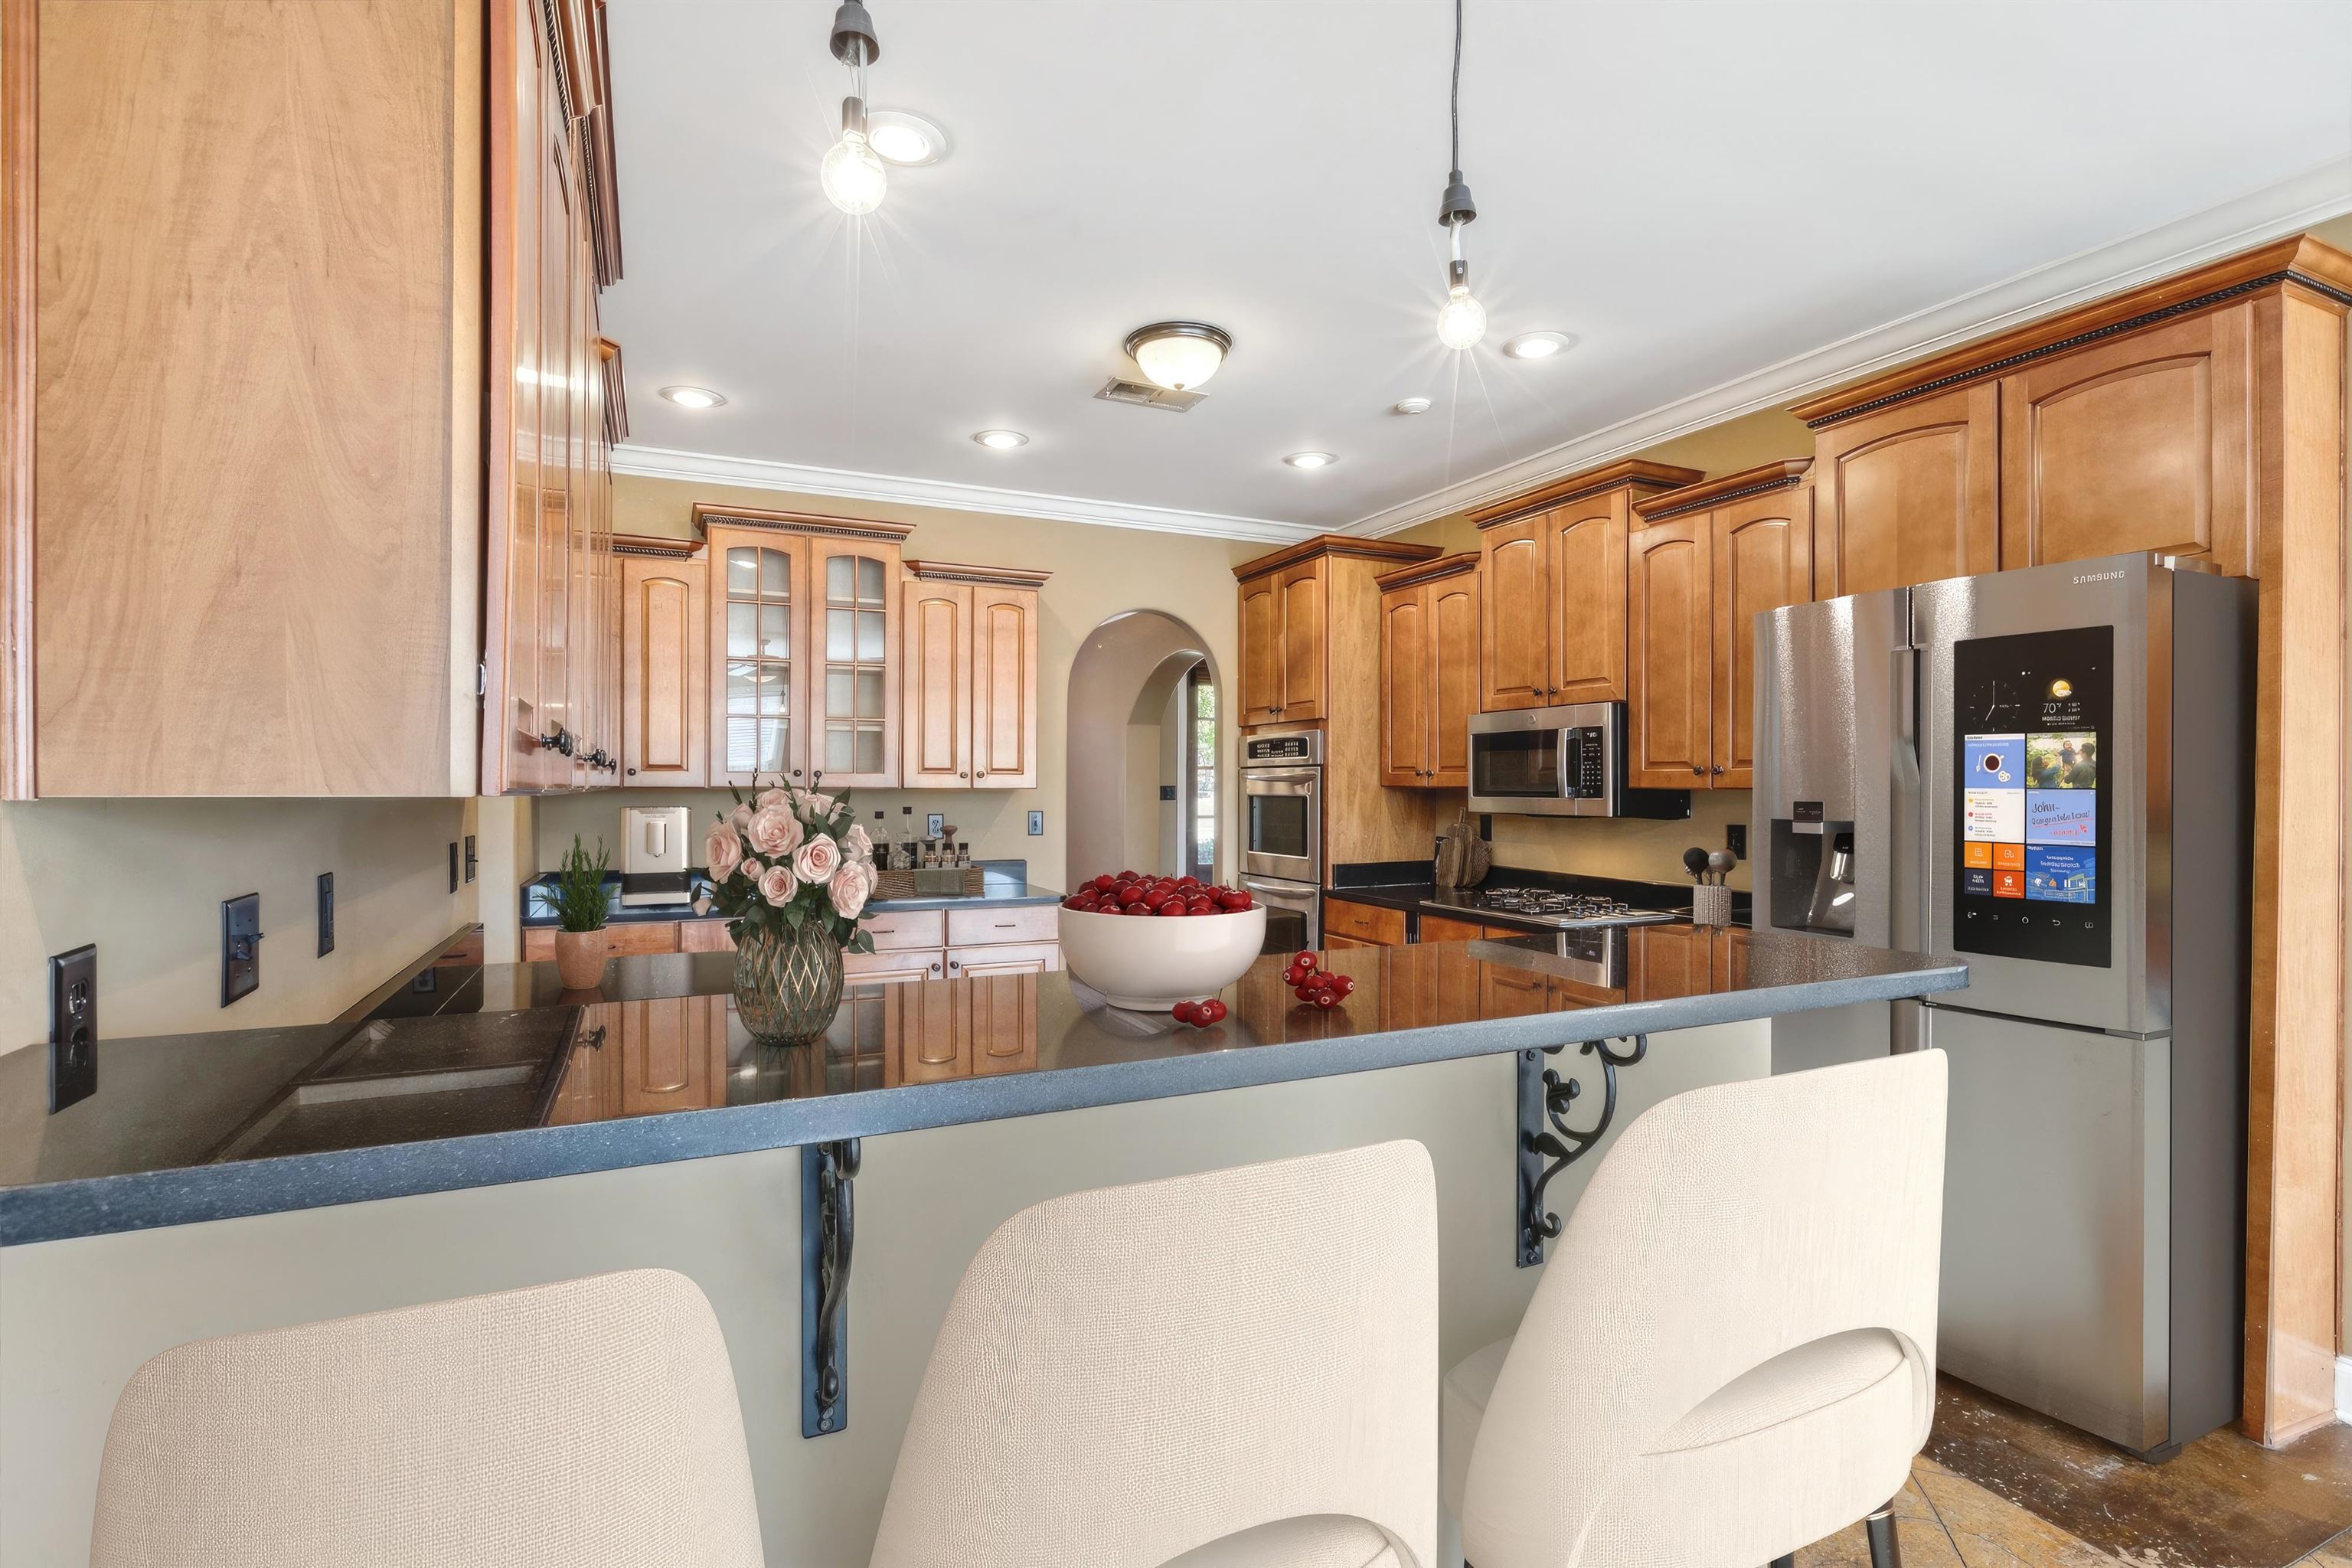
(590, 1423)
(1233, 1370)
(1732, 1351)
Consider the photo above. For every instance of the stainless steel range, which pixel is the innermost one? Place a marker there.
(1551, 907)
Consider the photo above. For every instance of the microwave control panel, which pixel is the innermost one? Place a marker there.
(1588, 765)
(2031, 715)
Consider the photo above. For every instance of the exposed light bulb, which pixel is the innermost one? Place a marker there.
(853, 177)
(1460, 321)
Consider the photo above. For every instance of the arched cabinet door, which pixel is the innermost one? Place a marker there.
(1670, 668)
(939, 685)
(1003, 687)
(1406, 685)
(1584, 559)
(759, 591)
(665, 671)
(1514, 637)
(1910, 494)
(853, 672)
(1763, 559)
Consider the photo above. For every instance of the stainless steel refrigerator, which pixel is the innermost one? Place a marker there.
(2045, 772)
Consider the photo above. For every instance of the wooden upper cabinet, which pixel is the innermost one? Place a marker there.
(1406, 663)
(1910, 493)
(1429, 672)
(1552, 585)
(1763, 559)
(2141, 442)
(1453, 650)
(1261, 638)
(1669, 727)
(1514, 646)
(1299, 590)
(1584, 557)
(803, 638)
(1705, 561)
(971, 675)
(664, 663)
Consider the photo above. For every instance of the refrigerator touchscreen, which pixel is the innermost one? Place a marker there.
(2032, 713)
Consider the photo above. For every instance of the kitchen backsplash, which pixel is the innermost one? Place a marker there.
(995, 824)
(1630, 847)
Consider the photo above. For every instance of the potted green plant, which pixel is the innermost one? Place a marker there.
(794, 869)
(581, 906)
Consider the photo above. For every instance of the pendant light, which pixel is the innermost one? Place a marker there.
(1460, 321)
(852, 173)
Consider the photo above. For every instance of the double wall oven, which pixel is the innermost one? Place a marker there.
(1282, 834)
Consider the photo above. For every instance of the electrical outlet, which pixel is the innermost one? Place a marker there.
(935, 824)
(73, 1027)
(1735, 838)
(240, 946)
(1036, 824)
(326, 913)
(453, 865)
(1168, 792)
(469, 857)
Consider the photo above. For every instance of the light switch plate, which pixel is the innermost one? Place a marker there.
(469, 857)
(935, 824)
(1735, 838)
(240, 946)
(1036, 824)
(73, 1027)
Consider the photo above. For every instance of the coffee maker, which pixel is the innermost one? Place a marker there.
(653, 855)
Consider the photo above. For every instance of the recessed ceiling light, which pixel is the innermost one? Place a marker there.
(1178, 355)
(1310, 460)
(1000, 440)
(1410, 405)
(1537, 345)
(692, 396)
(907, 140)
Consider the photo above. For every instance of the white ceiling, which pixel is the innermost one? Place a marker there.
(1702, 194)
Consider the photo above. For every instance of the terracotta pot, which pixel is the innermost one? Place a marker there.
(580, 958)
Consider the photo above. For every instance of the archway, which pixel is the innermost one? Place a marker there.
(1144, 720)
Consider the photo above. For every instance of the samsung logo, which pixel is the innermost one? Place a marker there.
(2100, 577)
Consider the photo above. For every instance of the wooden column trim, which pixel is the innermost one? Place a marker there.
(19, 268)
(2295, 1040)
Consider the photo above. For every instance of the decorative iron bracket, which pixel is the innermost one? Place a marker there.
(1545, 1151)
(827, 1230)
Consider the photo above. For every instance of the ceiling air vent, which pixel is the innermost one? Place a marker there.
(1143, 395)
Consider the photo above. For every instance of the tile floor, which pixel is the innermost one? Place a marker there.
(2001, 1488)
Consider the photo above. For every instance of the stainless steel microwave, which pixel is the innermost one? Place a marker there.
(1559, 761)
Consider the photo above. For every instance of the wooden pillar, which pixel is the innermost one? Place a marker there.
(2296, 1091)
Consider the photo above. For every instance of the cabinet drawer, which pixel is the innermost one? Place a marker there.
(908, 927)
(704, 936)
(1003, 958)
(641, 937)
(1026, 922)
(875, 968)
(1442, 927)
(1365, 923)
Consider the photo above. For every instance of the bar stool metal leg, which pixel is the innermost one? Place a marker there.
(1885, 1552)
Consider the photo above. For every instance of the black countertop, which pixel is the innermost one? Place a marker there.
(1004, 885)
(1410, 893)
(497, 1076)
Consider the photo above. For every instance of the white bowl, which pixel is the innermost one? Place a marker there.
(1149, 963)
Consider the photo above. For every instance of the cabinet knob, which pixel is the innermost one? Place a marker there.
(1697, 768)
(1718, 768)
(632, 773)
(935, 966)
(962, 774)
(982, 774)
(797, 773)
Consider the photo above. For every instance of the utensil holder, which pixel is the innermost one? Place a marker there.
(1711, 906)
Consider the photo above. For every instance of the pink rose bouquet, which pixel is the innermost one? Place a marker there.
(787, 857)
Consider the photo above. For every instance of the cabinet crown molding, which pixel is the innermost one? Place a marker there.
(1334, 545)
(708, 515)
(661, 545)
(1728, 486)
(1428, 571)
(1638, 473)
(1002, 576)
(2296, 261)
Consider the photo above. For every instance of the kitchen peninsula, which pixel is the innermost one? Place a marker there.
(514, 1080)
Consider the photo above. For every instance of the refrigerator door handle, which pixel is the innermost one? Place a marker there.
(1908, 876)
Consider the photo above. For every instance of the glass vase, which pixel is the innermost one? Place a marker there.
(787, 982)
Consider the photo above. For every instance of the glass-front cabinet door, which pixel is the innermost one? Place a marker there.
(804, 638)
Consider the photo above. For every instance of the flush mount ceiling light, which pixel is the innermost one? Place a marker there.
(907, 140)
(1310, 460)
(1178, 355)
(1537, 345)
(1410, 405)
(1000, 440)
(692, 396)
(1460, 321)
(853, 177)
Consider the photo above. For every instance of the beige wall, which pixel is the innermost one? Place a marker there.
(144, 881)
(1098, 572)
(81, 1315)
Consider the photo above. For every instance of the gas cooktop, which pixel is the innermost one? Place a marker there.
(1547, 907)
